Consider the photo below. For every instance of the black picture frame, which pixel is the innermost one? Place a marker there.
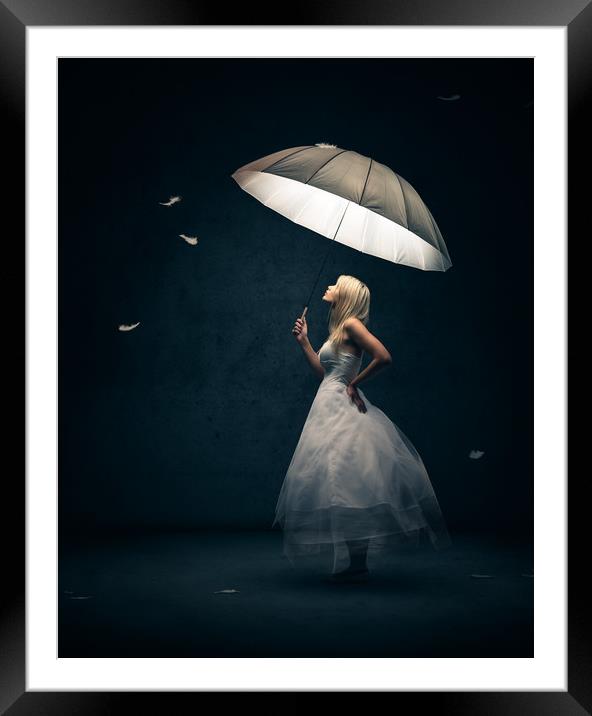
(15, 17)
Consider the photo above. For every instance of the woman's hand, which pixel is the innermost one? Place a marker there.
(352, 391)
(300, 329)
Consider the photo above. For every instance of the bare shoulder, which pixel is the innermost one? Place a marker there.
(354, 327)
(362, 337)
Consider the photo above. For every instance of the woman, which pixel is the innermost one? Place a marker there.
(355, 485)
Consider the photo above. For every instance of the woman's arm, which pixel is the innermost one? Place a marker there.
(300, 332)
(312, 357)
(358, 333)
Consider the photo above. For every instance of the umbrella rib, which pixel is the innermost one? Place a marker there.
(364, 189)
(303, 207)
(341, 220)
(440, 251)
(404, 202)
(325, 164)
(365, 230)
(440, 254)
(281, 159)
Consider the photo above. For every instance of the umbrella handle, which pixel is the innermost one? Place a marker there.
(304, 313)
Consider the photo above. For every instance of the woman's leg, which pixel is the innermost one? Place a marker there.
(358, 553)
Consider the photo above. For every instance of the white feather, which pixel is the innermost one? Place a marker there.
(172, 200)
(189, 239)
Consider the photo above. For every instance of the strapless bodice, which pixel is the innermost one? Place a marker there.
(340, 366)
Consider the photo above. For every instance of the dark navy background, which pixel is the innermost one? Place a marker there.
(191, 419)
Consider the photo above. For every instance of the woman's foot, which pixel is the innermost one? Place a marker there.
(351, 574)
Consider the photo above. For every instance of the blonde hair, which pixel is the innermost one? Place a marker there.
(353, 299)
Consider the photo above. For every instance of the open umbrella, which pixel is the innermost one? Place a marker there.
(349, 198)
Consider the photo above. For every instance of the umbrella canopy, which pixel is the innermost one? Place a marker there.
(351, 198)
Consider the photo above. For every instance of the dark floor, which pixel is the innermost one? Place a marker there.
(155, 596)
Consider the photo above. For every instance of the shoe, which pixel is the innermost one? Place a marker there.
(359, 575)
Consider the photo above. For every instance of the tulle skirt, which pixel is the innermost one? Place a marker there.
(355, 477)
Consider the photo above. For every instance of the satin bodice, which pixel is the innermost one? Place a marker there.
(340, 366)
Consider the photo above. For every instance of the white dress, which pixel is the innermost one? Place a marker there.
(353, 476)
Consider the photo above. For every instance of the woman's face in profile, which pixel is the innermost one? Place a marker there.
(331, 293)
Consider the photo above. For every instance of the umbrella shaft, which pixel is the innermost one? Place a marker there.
(323, 264)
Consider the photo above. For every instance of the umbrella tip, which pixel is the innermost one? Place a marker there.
(326, 146)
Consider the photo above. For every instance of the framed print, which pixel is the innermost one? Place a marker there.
(215, 499)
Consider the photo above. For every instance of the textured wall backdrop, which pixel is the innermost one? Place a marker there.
(191, 419)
